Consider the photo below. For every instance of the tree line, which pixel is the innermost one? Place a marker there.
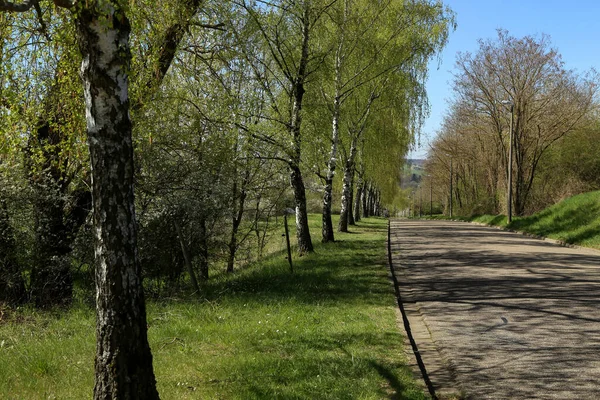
(219, 114)
(555, 131)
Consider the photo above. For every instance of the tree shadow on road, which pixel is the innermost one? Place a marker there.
(518, 322)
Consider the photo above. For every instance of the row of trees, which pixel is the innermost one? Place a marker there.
(209, 99)
(555, 129)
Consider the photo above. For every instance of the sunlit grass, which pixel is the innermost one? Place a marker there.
(575, 220)
(47, 356)
(328, 331)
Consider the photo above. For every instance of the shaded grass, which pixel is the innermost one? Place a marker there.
(328, 332)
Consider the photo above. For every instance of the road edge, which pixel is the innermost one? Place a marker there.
(426, 358)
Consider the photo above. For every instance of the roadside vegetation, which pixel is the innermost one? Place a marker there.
(575, 220)
(512, 95)
(227, 116)
(328, 331)
(518, 108)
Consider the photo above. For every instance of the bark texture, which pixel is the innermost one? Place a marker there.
(357, 198)
(327, 229)
(347, 188)
(351, 200)
(302, 232)
(123, 367)
(296, 180)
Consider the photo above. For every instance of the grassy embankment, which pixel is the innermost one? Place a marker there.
(575, 220)
(328, 331)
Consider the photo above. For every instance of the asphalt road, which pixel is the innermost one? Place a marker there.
(512, 317)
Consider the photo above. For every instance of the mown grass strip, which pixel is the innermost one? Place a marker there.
(328, 331)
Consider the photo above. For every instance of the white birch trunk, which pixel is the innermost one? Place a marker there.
(123, 366)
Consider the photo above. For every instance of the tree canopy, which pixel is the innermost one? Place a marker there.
(223, 116)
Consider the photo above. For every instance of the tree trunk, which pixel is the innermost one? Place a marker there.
(520, 183)
(375, 207)
(302, 232)
(123, 367)
(357, 199)
(347, 187)
(356, 133)
(327, 229)
(351, 201)
(297, 183)
(12, 286)
(365, 200)
(237, 217)
(370, 200)
(187, 257)
(373, 210)
(343, 224)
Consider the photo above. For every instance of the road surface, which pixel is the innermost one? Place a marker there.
(512, 317)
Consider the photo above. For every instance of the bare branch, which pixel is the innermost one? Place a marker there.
(219, 27)
(44, 28)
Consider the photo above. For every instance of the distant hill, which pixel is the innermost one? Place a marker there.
(416, 162)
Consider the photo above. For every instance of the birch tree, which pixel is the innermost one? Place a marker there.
(123, 360)
(288, 58)
(387, 63)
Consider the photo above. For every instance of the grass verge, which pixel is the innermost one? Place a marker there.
(575, 220)
(328, 331)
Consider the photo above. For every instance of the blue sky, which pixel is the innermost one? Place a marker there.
(573, 26)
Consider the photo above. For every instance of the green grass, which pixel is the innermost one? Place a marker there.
(494, 220)
(329, 331)
(575, 220)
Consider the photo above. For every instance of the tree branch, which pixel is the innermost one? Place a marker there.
(44, 28)
(220, 26)
(26, 5)
(64, 3)
(14, 7)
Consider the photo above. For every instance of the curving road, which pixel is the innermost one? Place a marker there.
(512, 317)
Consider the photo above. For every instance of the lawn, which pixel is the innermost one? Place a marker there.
(328, 331)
